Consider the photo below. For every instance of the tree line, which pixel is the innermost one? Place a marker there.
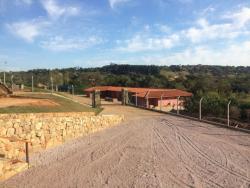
(217, 84)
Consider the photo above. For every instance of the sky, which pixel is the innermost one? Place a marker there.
(90, 33)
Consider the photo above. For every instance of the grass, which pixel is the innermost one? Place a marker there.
(65, 105)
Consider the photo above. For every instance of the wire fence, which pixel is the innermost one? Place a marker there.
(177, 107)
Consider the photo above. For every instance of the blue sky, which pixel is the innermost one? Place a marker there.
(89, 33)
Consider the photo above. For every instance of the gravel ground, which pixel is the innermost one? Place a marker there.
(162, 151)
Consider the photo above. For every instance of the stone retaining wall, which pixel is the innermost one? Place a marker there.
(44, 130)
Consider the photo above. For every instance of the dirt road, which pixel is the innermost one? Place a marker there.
(163, 151)
(116, 108)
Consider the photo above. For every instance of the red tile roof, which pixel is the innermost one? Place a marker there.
(144, 92)
(167, 93)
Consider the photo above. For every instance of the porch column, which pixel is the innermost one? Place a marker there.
(161, 104)
(135, 99)
(147, 101)
(124, 96)
(178, 104)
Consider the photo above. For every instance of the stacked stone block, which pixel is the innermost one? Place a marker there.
(47, 129)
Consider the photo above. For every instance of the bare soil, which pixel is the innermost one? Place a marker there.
(116, 108)
(149, 151)
(19, 101)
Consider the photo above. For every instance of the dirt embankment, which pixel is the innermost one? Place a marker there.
(152, 151)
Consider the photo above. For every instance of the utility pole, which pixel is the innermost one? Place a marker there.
(32, 83)
(52, 86)
(4, 81)
(4, 76)
(12, 84)
(178, 98)
(200, 108)
(228, 113)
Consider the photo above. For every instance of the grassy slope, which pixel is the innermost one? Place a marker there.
(65, 105)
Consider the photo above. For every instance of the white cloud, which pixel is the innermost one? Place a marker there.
(240, 18)
(210, 9)
(236, 54)
(27, 30)
(145, 43)
(205, 31)
(163, 28)
(59, 43)
(28, 2)
(55, 10)
(201, 32)
(114, 3)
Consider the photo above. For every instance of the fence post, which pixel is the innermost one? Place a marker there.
(200, 108)
(178, 104)
(27, 153)
(96, 99)
(228, 113)
(73, 90)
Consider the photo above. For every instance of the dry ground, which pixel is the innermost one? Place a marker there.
(18, 101)
(150, 151)
(28, 102)
(116, 108)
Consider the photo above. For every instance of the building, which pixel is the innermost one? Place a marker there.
(145, 97)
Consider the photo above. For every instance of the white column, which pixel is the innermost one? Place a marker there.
(161, 104)
(147, 105)
(178, 104)
(136, 99)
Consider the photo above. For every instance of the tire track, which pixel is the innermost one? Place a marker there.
(201, 169)
(165, 148)
(214, 162)
(153, 154)
(187, 167)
